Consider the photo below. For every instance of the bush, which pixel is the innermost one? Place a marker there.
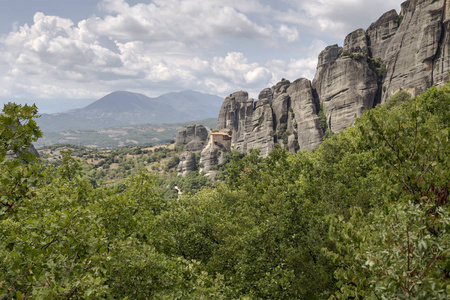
(397, 99)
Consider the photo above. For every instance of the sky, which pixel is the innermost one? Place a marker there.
(64, 54)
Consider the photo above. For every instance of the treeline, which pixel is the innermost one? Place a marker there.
(365, 216)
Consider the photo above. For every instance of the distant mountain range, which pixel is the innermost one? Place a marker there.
(126, 108)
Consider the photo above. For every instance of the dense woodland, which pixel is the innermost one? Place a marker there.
(365, 216)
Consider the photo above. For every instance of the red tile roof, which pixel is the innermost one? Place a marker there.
(220, 133)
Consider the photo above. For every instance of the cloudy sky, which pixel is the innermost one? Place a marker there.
(65, 53)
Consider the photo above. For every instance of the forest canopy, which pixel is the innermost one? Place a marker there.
(364, 216)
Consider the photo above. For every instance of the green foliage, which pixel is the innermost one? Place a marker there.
(189, 185)
(400, 249)
(173, 162)
(378, 66)
(322, 117)
(62, 238)
(18, 130)
(354, 56)
(437, 103)
(261, 121)
(282, 134)
(18, 176)
(71, 240)
(255, 229)
(364, 216)
(328, 133)
(17, 181)
(397, 99)
(398, 20)
(395, 256)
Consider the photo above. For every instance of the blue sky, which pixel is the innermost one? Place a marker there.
(63, 54)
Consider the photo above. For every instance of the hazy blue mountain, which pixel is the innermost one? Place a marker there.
(126, 108)
(193, 103)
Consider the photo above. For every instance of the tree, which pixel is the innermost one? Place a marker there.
(61, 238)
(18, 177)
(400, 248)
(18, 130)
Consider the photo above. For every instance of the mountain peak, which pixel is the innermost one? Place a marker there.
(122, 108)
(120, 101)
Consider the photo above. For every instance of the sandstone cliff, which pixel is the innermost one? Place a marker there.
(284, 114)
(407, 51)
(212, 155)
(187, 164)
(346, 85)
(193, 137)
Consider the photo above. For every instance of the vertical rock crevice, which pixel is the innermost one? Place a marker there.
(440, 64)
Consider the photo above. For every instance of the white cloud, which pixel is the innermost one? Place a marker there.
(54, 43)
(290, 33)
(296, 67)
(236, 69)
(183, 20)
(55, 58)
(335, 18)
(212, 46)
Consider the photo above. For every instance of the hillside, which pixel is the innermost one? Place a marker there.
(337, 188)
(366, 215)
(126, 108)
(113, 137)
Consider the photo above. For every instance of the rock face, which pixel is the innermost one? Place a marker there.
(441, 63)
(193, 137)
(408, 51)
(187, 164)
(212, 155)
(305, 116)
(380, 33)
(356, 42)
(284, 114)
(346, 87)
(411, 51)
(414, 46)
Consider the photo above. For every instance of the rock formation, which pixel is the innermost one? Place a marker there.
(187, 164)
(214, 153)
(380, 32)
(284, 114)
(193, 137)
(408, 51)
(305, 115)
(347, 85)
(11, 155)
(413, 45)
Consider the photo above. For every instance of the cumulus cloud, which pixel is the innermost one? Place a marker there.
(295, 68)
(235, 69)
(55, 44)
(181, 20)
(56, 58)
(335, 18)
(159, 46)
(290, 33)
